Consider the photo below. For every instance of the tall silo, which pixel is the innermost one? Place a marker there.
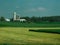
(14, 17)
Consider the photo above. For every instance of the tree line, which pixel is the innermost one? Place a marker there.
(37, 19)
(43, 19)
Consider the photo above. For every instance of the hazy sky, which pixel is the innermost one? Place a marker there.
(30, 7)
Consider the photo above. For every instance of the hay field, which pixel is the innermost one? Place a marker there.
(22, 36)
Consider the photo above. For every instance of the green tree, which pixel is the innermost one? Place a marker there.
(2, 19)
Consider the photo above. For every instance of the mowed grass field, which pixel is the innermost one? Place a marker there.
(22, 36)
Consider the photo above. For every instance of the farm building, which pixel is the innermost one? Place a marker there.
(17, 18)
(8, 20)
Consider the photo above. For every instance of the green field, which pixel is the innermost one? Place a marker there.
(22, 36)
(20, 24)
(17, 33)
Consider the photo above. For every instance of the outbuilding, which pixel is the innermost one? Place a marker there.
(8, 20)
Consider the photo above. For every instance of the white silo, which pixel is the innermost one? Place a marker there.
(14, 17)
